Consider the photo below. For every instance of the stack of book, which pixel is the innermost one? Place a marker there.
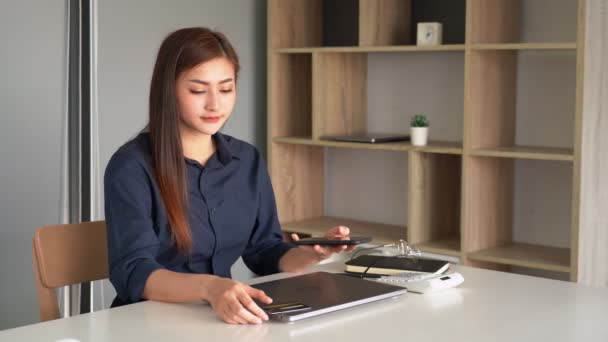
(379, 265)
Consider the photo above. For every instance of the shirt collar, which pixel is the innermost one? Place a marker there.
(227, 148)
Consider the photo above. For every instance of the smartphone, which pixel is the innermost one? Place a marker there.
(323, 241)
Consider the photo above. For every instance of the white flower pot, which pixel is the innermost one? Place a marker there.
(419, 135)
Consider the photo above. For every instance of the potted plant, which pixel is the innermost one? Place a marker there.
(419, 130)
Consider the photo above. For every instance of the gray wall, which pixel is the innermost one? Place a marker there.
(130, 33)
(32, 83)
(32, 106)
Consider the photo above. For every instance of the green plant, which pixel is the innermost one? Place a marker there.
(419, 120)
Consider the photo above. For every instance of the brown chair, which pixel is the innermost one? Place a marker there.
(65, 255)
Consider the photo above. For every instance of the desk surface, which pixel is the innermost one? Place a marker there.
(488, 306)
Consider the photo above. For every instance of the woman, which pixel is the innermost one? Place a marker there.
(183, 202)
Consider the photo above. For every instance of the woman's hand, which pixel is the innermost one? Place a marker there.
(299, 259)
(233, 301)
(324, 252)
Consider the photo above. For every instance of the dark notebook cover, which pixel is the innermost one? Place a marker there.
(394, 264)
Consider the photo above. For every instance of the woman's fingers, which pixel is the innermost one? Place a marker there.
(234, 304)
(327, 251)
(229, 317)
(338, 232)
(240, 313)
(249, 316)
(251, 306)
(258, 294)
(335, 233)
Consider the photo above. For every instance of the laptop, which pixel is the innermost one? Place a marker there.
(368, 137)
(318, 293)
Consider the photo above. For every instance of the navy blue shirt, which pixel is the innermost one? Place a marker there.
(232, 213)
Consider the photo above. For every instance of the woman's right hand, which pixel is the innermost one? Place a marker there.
(233, 301)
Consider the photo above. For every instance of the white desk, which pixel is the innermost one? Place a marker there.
(489, 306)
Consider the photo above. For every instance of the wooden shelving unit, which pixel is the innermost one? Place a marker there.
(432, 146)
(526, 255)
(366, 49)
(460, 194)
(525, 46)
(449, 247)
(526, 152)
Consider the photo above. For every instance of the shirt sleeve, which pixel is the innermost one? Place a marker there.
(132, 242)
(266, 245)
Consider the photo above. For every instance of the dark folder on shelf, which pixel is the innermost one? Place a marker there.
(389, 265)
(368, 137)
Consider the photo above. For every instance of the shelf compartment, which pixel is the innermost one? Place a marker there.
(318, 226)
(493, 22)
(525, 46)
(514, 210)
(434, 201)
(339, 94)
(432, 147)
(487, 213)
(297, 178)
(506, 103)
(340, 22)
(451, 14)
(526, 152)
(290, 98)
(371, 49)
(491, 99)
(450, 246)
(304, 23)
(522, 21)
(526, 255)
(384, 22)
(295, 23)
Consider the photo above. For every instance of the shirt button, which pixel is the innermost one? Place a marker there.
(213, 210)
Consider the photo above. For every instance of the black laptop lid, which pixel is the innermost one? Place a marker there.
(323, 291)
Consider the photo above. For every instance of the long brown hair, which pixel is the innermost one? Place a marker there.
(180, 51)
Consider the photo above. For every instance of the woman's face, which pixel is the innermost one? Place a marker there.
(206, 95)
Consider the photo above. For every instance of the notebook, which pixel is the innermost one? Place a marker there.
(368, 137)
(321, 293)
(389, 265)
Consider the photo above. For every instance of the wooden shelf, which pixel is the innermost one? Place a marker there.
(525, 46)
(526, 255)
(437, 48)
(366, 49)
(381, 233)
(323, 77)
(445, 247)
(526, 152)
(442, 147)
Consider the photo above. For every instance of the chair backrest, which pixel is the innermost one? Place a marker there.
(65, 255)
